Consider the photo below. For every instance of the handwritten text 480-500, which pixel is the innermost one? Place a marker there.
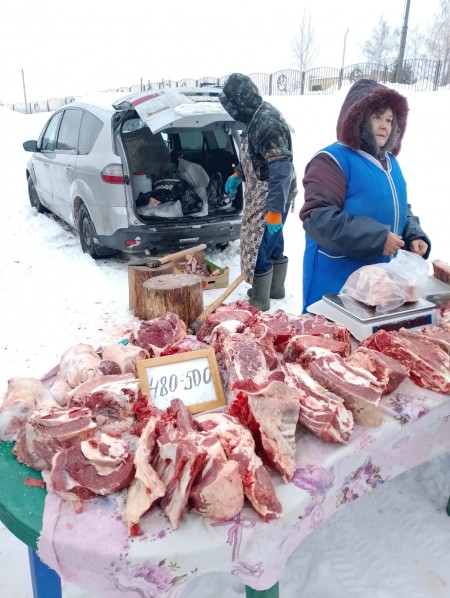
(164, 385)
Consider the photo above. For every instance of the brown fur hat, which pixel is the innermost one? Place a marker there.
(365, 97)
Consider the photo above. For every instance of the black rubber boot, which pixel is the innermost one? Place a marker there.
(277, 290)
(261, 290)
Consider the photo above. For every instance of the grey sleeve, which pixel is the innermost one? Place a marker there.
(360, 237)
(413, 231)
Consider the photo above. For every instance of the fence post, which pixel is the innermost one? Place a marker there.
(303, 82)
(270, 84)
(341, 77)
(437, 75)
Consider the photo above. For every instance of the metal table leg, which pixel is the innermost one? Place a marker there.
(46, 582)
(273, 592)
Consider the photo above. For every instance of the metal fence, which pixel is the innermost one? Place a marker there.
(417, 75)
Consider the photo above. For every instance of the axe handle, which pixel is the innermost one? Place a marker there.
(174, 256)
(215, 304)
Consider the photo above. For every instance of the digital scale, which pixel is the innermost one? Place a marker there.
(362, 320)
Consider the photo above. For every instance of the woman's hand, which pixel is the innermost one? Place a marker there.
(393, 244)
(418, 246)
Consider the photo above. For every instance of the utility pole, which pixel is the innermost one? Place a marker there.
(24, 91)
(401, 53)
(343, 51)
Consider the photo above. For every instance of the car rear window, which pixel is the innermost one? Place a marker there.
(89, 131)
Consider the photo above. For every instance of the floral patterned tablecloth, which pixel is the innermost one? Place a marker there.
(93, 550)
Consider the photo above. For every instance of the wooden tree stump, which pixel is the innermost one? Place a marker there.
(137, 275)
(179, 293)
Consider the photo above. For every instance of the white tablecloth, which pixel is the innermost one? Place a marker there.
(93, 550)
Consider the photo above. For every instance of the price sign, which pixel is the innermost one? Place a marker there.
(192, 377)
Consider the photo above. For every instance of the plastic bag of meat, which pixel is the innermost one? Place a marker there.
(389, 285)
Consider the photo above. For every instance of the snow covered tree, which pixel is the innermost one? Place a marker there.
(382, 47)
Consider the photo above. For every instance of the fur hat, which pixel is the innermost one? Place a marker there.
(365, 97)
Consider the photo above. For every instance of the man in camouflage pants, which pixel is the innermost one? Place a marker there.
(266, 167)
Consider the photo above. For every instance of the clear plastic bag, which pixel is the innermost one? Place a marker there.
(388, 285)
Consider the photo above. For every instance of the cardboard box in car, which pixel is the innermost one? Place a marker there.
(218, 281)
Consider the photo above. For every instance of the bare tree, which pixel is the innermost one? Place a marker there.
(439, 41)
(382, 47)
(415, 44)
(303, 46)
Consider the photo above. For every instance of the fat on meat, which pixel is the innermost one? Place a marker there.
(22, 397)
(271, 414)
(146, 487)
(239, 445)
(125, 356)
(77, 364)
(321, 411)
(158, 334)
(387, 370)
(360, 390)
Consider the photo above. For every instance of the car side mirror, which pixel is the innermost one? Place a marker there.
(30, 146)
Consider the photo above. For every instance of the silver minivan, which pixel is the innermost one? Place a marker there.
(143, 172)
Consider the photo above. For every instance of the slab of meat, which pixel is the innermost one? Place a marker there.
(48, 431)
(244, 360)
(218, 491)
(444, 313)
(321, 411)
(280, 325)
(91, 468)
(239, 445)
(158, 334)
(189, 343)
(441, 270)
(22, 396)
(320, 326)
(300, 342)
(234, 320)
(387, 370)
(360, 391)
(146, 487)
(271, 414)
(125, 356)
(428, 364)
(435, 334)
(110, 399)
(262, 334)
(78, 364)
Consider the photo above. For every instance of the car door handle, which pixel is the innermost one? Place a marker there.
(69, 167)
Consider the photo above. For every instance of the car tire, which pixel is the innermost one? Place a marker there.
(34, 197)
(222, 246)
(87, 234)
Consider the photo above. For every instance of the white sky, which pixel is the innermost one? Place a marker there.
(392, 543)
(75, 48)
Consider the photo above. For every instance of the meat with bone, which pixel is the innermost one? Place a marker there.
(321, 411)
(94, 467)
(244, 360)
(189, 343)
(239, 445)
(387, 370)
(300, 342)
(263, 335)
(158, 334)
(78, 364)
(320, 326)
(444, 313)
(48, 431)
(110, 399)
(125, 356)
(180, 458)
(146, 487)
(271, 414)
(235, 320)
(428, 364)
(218, 491)
(435, 334)
(22, 396)
(359, 389)
(441, 270)
(280, 325)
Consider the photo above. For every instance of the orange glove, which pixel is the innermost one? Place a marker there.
(274, 222)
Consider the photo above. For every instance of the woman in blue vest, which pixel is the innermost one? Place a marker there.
(355, 211)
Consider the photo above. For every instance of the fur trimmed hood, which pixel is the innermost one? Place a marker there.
(365, 97)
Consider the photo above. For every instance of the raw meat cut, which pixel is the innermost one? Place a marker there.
(22, 396)
(360, 390)
(435, 334)
(320, 326)
(78, 364)
(444, 313)
(271, 414)
(441, 270)
(158, 334)
(146, 487)
(321, 411)
(239, 446)
(189, 343)
(235, 320)
(98, 466)
(428, 364)
(125, 356)
(300, 342)
(387, 370)
(48, 431)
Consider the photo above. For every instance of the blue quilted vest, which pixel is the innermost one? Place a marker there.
(371, 192)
